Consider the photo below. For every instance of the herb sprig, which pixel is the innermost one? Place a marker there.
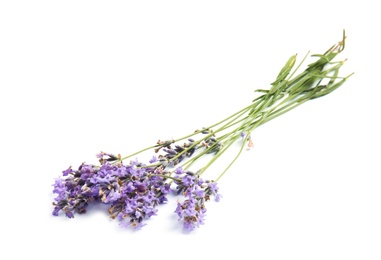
(134, 190)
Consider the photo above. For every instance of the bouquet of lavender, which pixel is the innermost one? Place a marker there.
(134, 189)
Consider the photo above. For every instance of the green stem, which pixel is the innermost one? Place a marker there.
(233, 161)
(285, 94)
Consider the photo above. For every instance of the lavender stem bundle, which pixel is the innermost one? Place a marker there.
(133, 190)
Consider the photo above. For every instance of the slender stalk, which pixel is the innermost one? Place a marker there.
(233, 161)
(287, 92)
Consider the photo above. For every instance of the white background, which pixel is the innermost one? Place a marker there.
(79, 77)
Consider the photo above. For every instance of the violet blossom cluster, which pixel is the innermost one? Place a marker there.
(133, 191)
(196, 191)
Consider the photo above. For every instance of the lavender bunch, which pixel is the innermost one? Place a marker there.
(134, 190)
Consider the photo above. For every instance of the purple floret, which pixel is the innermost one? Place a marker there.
(132, 191)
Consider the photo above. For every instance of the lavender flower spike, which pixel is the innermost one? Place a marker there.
(133, 190)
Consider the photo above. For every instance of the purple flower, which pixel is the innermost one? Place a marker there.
(179, 170)
(67, 171)
(199, 193)
(60, 189)
(55, 211)
(140, 187)
(113, 196)
(69, 214)
(129, 187)
(149, 211)
(104, 157)
(154, 159)
(132, 191)
(166, 188)
(100, 179)
(94, 191)
(86, 171)
(192, 212)
(162, 199)
(213, 187)
(130, 206)
(120, 172)
(187, 180)
(149, 198)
